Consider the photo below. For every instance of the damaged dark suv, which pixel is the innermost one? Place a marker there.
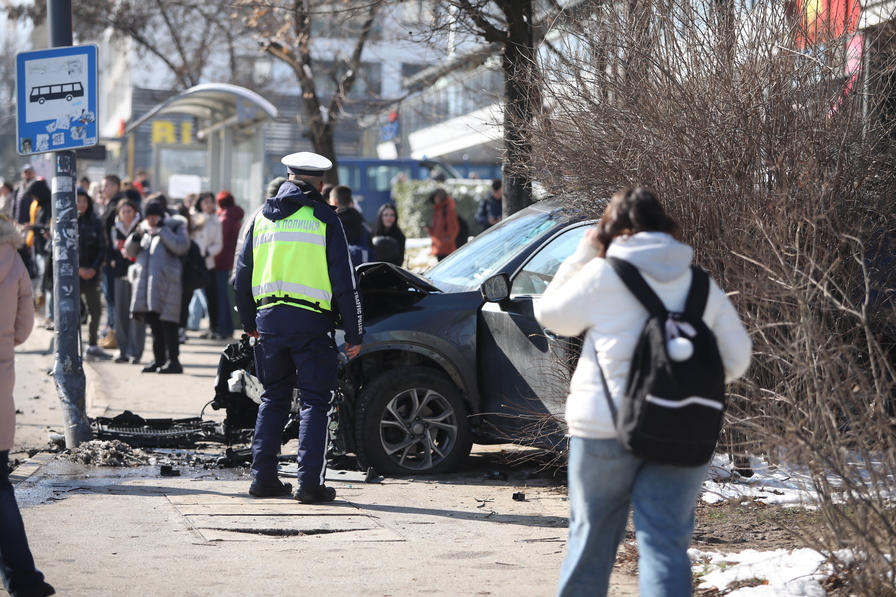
(455, 355)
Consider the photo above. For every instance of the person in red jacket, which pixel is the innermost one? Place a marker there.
(220, 311)
(445, 226)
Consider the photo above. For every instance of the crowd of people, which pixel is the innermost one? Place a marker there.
(132, 244)
(131, 249)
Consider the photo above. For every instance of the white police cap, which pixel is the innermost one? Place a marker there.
(306, 163)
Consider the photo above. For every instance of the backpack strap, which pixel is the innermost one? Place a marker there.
(697, 295)
(629, 274)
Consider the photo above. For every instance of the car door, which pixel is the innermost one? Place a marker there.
(524, 369)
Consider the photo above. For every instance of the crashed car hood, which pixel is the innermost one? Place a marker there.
(380, 275)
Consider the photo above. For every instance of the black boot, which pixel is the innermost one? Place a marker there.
(269, 488)
(171, 367)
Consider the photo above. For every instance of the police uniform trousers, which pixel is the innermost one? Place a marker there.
(284, 362)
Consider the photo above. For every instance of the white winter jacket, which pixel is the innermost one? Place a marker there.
(587, 295)
(207, 234)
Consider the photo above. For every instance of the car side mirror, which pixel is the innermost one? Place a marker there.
(496, 288)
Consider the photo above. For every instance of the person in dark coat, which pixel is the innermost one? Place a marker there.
(41, 211)
(91, 255)
(291, 304)
(490, 209)
(231, 217)
(21, 203)
(388, 239)
(158, 244)
(356, 232)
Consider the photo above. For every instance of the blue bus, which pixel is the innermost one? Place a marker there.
(371, 179)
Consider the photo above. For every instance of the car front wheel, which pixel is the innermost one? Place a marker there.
(412, 420)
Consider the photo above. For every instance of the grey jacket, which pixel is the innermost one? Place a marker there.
(156, 275)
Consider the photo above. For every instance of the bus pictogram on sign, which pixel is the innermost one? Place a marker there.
(67, 91)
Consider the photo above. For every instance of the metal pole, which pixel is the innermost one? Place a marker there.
(68, 370)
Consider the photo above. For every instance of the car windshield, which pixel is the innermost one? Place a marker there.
(469, 266)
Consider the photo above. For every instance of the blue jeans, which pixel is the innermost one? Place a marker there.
(225, 309)
(605, 482)
(109, 295)
(17, 569)
(198, 308)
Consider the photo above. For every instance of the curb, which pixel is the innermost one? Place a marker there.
(30, 467)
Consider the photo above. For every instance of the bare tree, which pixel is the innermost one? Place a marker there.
(300, 33)
(182, 34)
(511, 24)
(771, 141)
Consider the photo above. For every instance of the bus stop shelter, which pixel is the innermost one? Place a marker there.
(230, 130)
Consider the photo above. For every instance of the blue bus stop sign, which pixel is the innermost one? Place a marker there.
(56, 99)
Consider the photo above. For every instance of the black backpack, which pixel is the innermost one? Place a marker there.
(195, 273)
(671, 411)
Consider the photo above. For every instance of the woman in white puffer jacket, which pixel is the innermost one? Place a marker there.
(605, 480)
(206, 231)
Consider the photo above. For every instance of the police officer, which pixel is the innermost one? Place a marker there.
(294, 282)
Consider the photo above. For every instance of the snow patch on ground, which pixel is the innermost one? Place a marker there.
(779, 573)
(773, 484)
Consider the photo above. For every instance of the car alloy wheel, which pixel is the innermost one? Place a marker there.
(412, 420)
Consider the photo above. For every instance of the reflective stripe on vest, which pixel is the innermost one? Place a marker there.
(290, 262)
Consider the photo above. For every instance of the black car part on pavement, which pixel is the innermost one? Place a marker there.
(136, 431)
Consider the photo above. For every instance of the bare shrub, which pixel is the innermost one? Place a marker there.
(778, 162)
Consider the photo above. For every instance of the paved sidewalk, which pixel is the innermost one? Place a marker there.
(129, 531)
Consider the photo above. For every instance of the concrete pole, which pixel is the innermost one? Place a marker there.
(68, 370)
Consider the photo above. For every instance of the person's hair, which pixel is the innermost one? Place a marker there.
(39, 190)
(8, 186)
(197, 204)
(496, 184)
(114, 179)
(225, 199)
(379, 229)
(182, 209)
(125, 203)
(84, 179)
(343, 195)
(630, 211)
(89, 211)
(159, 198)
(134, 195)
(325, 192)
(438, 195)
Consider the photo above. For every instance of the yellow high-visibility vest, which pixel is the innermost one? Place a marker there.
(290, 262)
